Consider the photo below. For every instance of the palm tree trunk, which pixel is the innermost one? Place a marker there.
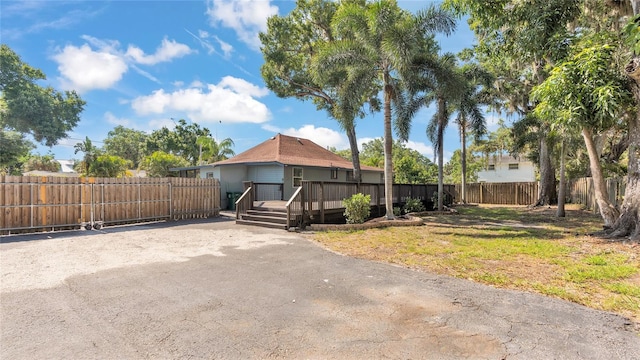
(355, 153)
(441, 120)
(388, 145)
(607, 210)
(463, 186)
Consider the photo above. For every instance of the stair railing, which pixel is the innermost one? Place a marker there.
(244, 203)
(295, 208)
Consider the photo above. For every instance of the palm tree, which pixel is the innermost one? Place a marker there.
(470, 117)
(379, 42)
(212, 151)
(436, 79)
(90, 153)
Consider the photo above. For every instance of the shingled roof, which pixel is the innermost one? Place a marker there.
(288, 150)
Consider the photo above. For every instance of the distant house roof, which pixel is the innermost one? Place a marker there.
(288, 150)
(66, 166)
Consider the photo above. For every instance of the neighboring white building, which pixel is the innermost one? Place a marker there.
(66, 166)
(507, 169)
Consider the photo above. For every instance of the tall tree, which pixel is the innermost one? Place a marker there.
(109, 166)
(28, 108)
(181, 141)
(43, 163)
(472, 95)
(159, 163)
(126, 143)
(14, 151)
(90, 151)
(518, 41)
(212, 151)
(588, 92)
(289, 47)
(628, 224)
(378, 41)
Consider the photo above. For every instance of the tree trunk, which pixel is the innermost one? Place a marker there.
(388, 145)
(546, 194)
(355, 153)
(463, 186)
(442, 106)
(608, 211)
(628, 224)
(563, 186)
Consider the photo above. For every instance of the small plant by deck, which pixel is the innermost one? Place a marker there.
(413, 205)
(357, 208)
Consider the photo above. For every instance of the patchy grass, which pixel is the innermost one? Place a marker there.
(511, 247)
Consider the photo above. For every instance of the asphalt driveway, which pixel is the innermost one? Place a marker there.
(215, 290)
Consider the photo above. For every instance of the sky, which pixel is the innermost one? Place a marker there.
(146, 64)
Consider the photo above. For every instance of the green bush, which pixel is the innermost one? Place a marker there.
(413, 205)
(357, 208)
(397, 211)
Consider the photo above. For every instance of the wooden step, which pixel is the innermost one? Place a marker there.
(261, 223)
(262, 217)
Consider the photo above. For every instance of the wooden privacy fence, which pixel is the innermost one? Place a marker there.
(580, 191)
(29, 204)
(522, 193)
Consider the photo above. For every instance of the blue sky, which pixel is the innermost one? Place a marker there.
(141, 63)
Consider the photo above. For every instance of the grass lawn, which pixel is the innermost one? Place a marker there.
(511, 247)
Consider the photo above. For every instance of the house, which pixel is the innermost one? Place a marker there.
(504, 168)
(280, 164)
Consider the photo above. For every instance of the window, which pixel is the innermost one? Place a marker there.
(209, 175)
(350, 175)
(297, 177)
(513, 166)
(334, 173)
(491, 167)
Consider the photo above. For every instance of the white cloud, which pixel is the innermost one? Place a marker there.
(84, 69)
(322, 136)
(420, 147)
(167, 51)
(114, 120)
(232, 100)
(246, 18)
(100, 64)
(227, 49)
(160, 123)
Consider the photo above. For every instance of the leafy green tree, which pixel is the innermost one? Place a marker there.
(42, 162)
(181, 141)
(587, 92)
(212, 151)
(126, 143)
(109, 166)
(453, 168)
(28, 108)
(14, 151)
(90, 151)
(290, 47)
(378, 41)
(159, 163)
(409, 166)
(518, 41)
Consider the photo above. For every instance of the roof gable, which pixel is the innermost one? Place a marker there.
(289, 150)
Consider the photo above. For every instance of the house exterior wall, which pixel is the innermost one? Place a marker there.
(231, 180)
(502, 173)
(266, 173)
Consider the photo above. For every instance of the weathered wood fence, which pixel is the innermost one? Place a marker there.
(580, 191)
(30, 204)
(523, 193)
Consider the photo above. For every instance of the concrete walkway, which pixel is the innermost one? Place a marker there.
(216, 290)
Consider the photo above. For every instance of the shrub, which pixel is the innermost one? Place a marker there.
(397, 211)
(413, 205)
(357, 208)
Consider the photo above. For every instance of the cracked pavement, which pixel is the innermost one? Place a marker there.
(212, 289)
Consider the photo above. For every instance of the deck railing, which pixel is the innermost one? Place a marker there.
(245, 201)
(295, 208)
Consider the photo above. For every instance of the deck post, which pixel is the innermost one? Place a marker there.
(321, 201)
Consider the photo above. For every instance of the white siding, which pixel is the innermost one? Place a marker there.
(502, 173)
(266, 173)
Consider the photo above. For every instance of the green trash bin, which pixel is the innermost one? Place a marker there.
(231, 202)
(232, 197)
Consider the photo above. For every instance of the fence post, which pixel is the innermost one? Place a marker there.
(321, 201)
